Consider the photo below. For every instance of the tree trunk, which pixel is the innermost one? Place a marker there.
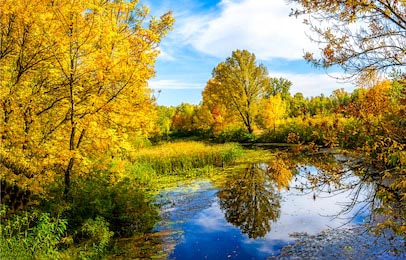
(67, 178)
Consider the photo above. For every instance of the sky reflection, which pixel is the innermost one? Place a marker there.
(208, 235)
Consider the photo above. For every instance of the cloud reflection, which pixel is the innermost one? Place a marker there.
(212, 219)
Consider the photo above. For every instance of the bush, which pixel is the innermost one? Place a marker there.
(126, 208)
(30, 235)
(235, 135)
(327, 130)
(98, 238)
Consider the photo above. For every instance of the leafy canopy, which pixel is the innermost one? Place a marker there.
(73, 84)
(237, 86)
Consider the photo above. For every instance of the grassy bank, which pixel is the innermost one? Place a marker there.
(180, 157)
(162, 164)
(106, 205)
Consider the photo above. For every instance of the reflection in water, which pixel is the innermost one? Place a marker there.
(378, 194)
(265, 200)
(251, 201)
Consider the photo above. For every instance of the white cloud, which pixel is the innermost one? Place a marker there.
(260, 26)
(164, 55)
(172, 84)
(311, 84)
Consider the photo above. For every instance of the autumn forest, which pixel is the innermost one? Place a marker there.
(85, 150)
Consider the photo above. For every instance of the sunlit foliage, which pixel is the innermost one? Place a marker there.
(73, 85)
(238, 84)
(273, 110)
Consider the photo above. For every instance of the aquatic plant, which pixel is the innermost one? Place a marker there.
(180, 157)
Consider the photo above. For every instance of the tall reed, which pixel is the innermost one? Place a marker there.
(179, 157)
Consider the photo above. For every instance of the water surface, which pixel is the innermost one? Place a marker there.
(252, 216)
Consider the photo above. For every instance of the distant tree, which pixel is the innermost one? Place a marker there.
(274, 109)
(298, 105)
(239, 84)
(164, 121)
(279, 86)
(340, 99)
(320, 105)
(184, 119)
(361, 36)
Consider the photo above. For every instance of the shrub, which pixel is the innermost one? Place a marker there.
(30, 235)
(235, 135)
(98, 238)
(327, 130)
(127, 209)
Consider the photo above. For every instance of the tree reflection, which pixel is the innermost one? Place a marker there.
(380, 193)
(251, 201)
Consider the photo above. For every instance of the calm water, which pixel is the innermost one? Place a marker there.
(250, 216)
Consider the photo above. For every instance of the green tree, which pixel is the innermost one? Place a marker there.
(279, 86)
(340, 99)
(165, 115)
(298, 105)
(319, 105)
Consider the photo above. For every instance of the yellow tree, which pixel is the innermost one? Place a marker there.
(275, 109)
(73, 84)
(240, 84)
(219, 116)
(372, 103)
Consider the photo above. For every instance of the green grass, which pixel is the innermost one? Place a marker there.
(164, 166)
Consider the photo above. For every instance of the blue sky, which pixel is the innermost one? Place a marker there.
(206, 32)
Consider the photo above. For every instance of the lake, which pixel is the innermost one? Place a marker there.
(254, 211)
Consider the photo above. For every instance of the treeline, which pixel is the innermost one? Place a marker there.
(343, 119)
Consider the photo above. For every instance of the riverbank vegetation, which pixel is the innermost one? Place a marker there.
(103, 205)
(85, 148)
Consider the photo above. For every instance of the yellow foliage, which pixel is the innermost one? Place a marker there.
(218, 114)
(373, 101)
(74, 82)
(275, 110)
(280, 173)
(236, 88)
